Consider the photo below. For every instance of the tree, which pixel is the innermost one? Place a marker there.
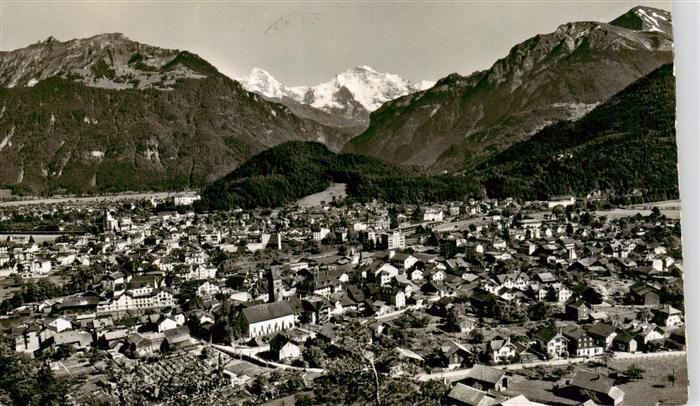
(558, 210)
(634, 372)
(433, 239)
(288, 382)
(586, 218)
(314, 356)
(417, 214)
(63, 351)
(537, 311)
(452, 320)
(342, 250)
(476, 336)
(261, 388)
(672, 378)
(96, 355)
(165, 348)
(25, 382)
(589, 394)
(508, 313)
(354, 376)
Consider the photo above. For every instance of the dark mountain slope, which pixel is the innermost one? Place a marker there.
(109, 114)
(626, 145)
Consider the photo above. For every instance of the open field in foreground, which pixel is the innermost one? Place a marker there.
(655, 388)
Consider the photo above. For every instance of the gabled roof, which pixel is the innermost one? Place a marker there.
(177, 334)
(72, 336)
(546, 277)
(546, 334)
(601, 329)
(453, 347)
(406, 353)
(400, 257)
(593, 381)
(499, 342)
(280, 340)
(470, 396)
(520, 400)
(328, 330)
(485, 373)
(577, 303)
(267, 311)
(624, 337)
(667, 310)
(574, 332)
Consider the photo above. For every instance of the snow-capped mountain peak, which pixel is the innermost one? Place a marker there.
(361, 85)
(425, 84)
(260, 81)
(366, 68)
(652, 19)
(643, 18)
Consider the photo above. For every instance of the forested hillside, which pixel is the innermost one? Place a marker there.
(289, 171)
(107, 114)
(626, 145)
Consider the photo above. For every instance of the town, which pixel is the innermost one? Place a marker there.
(138, 301)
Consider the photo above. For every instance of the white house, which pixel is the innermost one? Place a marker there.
(167, 324)
(502, 350)
(60, 324)
(386, 273)
(321, 234)
(433, 215)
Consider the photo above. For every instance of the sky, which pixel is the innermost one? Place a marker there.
(305, 43)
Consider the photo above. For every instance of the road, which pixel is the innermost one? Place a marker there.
(251, 354)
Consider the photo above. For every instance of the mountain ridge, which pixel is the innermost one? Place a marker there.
(463, 120)
(105, 114)
(624, 148)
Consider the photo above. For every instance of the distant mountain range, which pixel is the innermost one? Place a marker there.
(344, 102)
(624, 148)
(463, 120)
(109, 114)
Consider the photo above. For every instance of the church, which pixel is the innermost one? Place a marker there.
(267, 318)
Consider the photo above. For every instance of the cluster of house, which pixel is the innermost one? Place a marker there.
(470, 260)
(488, 386)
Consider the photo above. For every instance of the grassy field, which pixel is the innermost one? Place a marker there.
(655, 388)
(336, 190)
(630, 212)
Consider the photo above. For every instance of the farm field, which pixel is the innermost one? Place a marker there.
(655, 388)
